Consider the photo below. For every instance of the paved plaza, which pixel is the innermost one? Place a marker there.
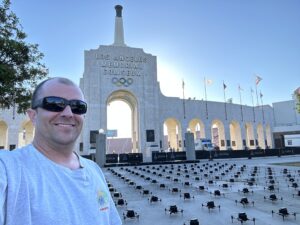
(191, 186)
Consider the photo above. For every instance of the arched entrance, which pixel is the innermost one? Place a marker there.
(196, 126)
(26, 132)
(131, 101)
(3, 135)
(235, 135)
(249, 136)
(172, 130)
(218, 134)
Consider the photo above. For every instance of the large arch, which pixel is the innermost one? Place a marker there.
(235, 135)
(218, 134)
(3, 135)
(260, 136)
(173, 129)
(130, 99)
(196, 126)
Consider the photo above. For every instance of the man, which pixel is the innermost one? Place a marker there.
(46, 182)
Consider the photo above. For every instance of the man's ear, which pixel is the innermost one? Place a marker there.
(32, 115)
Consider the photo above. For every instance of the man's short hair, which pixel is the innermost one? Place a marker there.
(37, 91)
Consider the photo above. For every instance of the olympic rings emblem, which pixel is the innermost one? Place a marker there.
(122, 81)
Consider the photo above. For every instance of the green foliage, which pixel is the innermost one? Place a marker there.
(296, 95)
(298, 102)
(20, 62)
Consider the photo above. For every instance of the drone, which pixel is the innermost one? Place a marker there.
(173, 209)
(130, 214)
(186, 195)
(284, 213)
(242, 217)
(217, 193)
(121, 202)
(154, 198)
(192, 222)
(246, 191)
(244, 201)
(211, 205)
(273, 198)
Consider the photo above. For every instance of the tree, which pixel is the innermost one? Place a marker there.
(297, 97)
(20, 62)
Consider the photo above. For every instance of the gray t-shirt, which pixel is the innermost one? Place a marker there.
(36, 191)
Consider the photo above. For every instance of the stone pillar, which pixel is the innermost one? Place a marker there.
(101, 149)
(119, 31)
(190, 146)
(134, 141)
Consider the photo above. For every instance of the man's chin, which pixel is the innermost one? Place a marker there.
(67, 141)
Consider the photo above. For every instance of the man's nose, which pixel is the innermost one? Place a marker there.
(67, 111)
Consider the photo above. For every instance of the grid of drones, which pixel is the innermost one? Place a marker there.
(208, 192)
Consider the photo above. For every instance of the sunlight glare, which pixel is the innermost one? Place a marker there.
(119, 118)
(170, 80)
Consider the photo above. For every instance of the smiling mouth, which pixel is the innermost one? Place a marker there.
(64, 125)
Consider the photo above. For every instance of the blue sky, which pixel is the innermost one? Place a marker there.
(224, 40)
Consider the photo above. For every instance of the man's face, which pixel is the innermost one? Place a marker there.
(57, 128)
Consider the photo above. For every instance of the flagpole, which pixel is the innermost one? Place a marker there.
(224, 87)
(262, 107)
(256, 95)
(253, 105)
(183, 99)
(241, 103)
(257, 80)
(205, 98)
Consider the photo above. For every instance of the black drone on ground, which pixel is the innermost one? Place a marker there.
(130, 214)
(211, 205)
(242, 217)
(121, 202)
(244, 201)
(217, 193)
(284, 213)
(173, 209)
(154, 198)
(192, 222)
(245, 191)
(273, 198)
(186, 195)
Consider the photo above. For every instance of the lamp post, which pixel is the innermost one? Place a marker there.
(101, 148)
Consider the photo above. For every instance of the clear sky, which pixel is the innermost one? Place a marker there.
(222, 40)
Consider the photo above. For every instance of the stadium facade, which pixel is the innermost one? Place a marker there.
(118, 72)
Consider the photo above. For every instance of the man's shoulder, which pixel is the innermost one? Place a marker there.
(15, 155)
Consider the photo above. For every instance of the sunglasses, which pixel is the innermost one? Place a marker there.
(58, 104)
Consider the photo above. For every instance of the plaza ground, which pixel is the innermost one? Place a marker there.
(132, 184)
